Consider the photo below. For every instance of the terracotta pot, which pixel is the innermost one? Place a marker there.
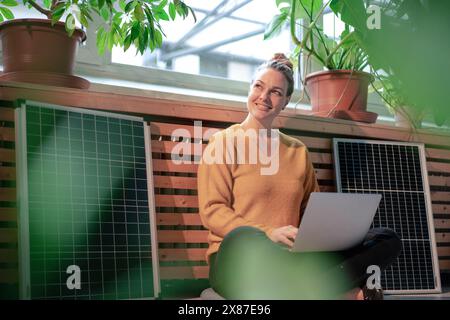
(35, 51)
(340, 94)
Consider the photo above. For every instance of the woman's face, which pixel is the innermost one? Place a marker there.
(267, 96)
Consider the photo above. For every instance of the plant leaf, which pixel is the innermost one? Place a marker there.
(47, 3)
(274, 27)
(135, 30)
(161, 6)
(70, 24)
(122, 4)
(193, 14)
(101, 40)
(9, 3)
(7, 13)
(351, 12)
(163, 15)
(105, 13)
(139, 13)
(127, 43)
(130, 6)
(58, 13)
(305, 9)
(110, 39)
(172, 11)
(158, 38)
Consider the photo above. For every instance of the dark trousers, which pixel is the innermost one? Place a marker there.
(249, 265)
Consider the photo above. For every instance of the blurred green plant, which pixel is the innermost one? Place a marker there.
(390, 90)
(408, 47)
(126, 22)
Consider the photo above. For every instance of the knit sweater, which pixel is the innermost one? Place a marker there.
(237, 194)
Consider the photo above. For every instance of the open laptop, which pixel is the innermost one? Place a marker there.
(335, 221)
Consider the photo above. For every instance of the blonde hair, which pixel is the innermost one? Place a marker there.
(282, 64)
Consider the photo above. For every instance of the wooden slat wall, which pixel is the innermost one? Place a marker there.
(182, 239)
(8, 215)
(176, 199)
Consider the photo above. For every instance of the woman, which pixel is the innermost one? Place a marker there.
(253, 217)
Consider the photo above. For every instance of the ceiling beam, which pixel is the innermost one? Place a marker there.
(184, 52)
(197, 28)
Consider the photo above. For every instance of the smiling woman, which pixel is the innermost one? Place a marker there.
(270, 92)
(253, 215)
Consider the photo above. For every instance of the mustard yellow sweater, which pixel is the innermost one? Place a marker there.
(237, 194)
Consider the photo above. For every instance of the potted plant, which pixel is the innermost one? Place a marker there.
(407, 45)
(43, 50)
(341, 90)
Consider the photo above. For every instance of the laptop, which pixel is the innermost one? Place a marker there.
(335, 221)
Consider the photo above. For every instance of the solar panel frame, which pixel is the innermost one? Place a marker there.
(23, 190)
(426, 193)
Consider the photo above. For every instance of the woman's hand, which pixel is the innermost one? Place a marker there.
(285, 235)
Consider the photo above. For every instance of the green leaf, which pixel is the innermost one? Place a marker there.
(135, 30)
(158, 38)
(110, 39)
(162, 15)
(101, 3)
(139, 13)
(142, 42)
(151, 44)
(324, 46)
(127, 43)
(146, 39)
(274, 27)
(172, 11)
(86, 13)
(105, 13)
(351, 12)
(101, 40)
(9, 3)
(161, 6)
(117, 18)
(118, 37)
(58, 13)
(193, 14)
(150, 18)
(1, 18)
(122, 4)
(84, 20)
(47, 4)
(130, 6)
(70, 24)
(7, 13)
(305, 9)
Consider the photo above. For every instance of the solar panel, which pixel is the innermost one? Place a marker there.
(396, 171)
(86, 226)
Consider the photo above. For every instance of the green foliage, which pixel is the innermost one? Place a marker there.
(126, 22)
(410, 49)
(345, 53)
(6, 13)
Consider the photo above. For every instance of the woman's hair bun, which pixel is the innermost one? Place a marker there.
(281, 58)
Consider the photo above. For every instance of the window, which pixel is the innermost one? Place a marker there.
(227, 40)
